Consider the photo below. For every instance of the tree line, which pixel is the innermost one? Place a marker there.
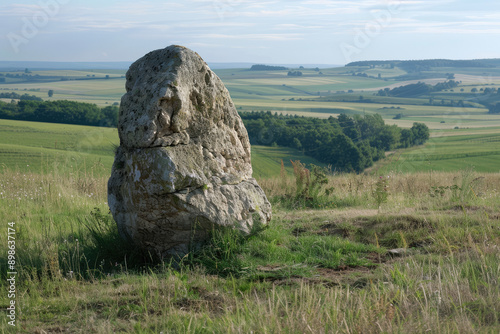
(260, 67)
(65, 112)
(426, 64)
(417, 89)
(16, 96)
(347, 143)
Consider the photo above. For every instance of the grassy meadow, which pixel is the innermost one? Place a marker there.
(409, 246)
(326, 269)
(41, 147)
(447, 151)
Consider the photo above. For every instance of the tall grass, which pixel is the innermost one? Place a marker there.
(403, 190)
(313, 270)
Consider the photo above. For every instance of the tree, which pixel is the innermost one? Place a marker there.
(420, 133)
(109, 116)
(50, 93)
(294, 73)
(387, 138)
(349, 127)
(406, 138)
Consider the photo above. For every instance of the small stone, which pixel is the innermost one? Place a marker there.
(397, 252)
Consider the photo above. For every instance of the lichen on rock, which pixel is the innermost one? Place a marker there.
(183, 166)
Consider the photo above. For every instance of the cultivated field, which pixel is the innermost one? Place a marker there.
(37, 147)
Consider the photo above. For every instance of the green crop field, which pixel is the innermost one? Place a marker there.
(44, 147)
(100, 92)
(478, 149)
(36, 147)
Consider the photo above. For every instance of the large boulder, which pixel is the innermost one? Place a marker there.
(183, 165)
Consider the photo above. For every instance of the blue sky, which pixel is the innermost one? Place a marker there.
(272, 32)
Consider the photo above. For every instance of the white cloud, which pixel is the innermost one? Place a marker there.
(289, 26)
(19, 10)
(261, 37)
(250, 24)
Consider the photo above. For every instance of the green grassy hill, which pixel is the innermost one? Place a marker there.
(31, 146)
(36, 147)
(453, 150)
(266, 161)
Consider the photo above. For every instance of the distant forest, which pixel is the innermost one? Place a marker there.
(417, 89)
(25, 97)
(66, 112)
(267, 68)
(427, 63)
(347, 143)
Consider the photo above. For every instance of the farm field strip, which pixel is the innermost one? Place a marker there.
(480, 151)
(466, 132)
(72, 86)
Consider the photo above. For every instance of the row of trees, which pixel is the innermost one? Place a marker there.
(417, 89)
(428, 63)
(260, 67)
(348, 143)
(294, 73)
(24, 97)
(66, 112)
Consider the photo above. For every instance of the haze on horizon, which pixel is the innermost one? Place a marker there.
(272, 32)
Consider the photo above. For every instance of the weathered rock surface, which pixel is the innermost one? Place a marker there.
(183, 165)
